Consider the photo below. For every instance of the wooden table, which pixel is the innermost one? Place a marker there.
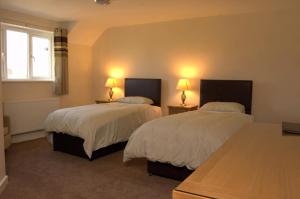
(175, 109)
(102, 101)
(257, 162)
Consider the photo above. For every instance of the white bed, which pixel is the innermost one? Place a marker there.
(101, 125)
(185, 139)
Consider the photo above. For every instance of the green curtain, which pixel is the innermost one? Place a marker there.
(61, 61)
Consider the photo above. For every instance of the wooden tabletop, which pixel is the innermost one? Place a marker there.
(188, 106)
(257, 162)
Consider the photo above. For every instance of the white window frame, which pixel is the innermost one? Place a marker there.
(31, 33)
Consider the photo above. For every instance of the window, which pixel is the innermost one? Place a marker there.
(26, 54)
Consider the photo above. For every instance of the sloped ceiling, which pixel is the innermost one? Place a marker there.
(88, 20)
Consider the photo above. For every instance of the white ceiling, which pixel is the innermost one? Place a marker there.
(88, 20)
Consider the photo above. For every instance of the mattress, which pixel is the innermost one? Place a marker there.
(185, 139)
(101, 125)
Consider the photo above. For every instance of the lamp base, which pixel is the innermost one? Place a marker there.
(183, 98)
(110, 93)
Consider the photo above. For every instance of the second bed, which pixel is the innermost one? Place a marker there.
(177, 144)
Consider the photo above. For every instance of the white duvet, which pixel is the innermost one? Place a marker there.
(186, 139)
(101, 125)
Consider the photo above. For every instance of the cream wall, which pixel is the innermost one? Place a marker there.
(79, 68)
(80, 76)
(263, 47)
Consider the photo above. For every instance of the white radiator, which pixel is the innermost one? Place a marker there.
(28, 116)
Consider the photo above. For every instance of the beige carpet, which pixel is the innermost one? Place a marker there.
(35, 171)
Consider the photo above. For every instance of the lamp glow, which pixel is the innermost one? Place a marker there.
(116, 72)
(183, 85)
(111, 83)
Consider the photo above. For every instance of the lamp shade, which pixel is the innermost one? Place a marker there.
(111, 83)
(183, 84)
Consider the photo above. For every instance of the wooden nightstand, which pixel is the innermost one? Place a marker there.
(174, 109)
(102, 101)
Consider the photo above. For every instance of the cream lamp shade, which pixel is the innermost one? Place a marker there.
(111, 83)
(183, 85)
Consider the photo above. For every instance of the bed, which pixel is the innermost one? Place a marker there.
(196, 132)
(96, 130)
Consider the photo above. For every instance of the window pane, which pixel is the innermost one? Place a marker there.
(17, 54)
(41, 57)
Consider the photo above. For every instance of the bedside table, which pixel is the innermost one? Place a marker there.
(102, 101)
(174, 109)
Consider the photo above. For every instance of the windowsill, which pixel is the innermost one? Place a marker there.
(27, 81)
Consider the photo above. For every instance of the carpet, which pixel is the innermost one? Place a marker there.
(35, 171)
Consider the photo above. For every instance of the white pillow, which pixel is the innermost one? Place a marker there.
(223, 107)
(135, 100)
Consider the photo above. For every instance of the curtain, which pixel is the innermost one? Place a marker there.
(61, 61)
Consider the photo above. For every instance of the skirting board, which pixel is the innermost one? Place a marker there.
(3, 184)
(28, 136)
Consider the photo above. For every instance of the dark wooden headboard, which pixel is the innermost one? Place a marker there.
(239, 91)
(150, 88)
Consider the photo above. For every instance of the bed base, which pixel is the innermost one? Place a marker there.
(74, 146)
(168, 170)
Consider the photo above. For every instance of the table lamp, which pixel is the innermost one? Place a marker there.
(183, 85)
(111, 83)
